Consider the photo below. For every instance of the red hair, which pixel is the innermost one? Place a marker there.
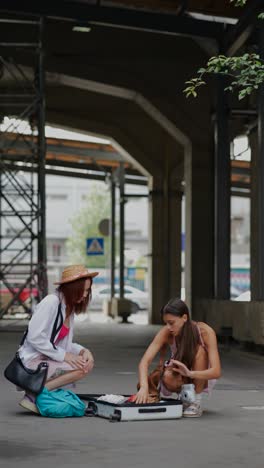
(73, 292)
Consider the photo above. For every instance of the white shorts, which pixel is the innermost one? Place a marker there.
(56, 368)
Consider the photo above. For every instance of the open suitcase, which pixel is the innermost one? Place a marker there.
(165, 409)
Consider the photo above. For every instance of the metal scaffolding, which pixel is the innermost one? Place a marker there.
(23, 273)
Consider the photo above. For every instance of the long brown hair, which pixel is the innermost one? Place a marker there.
(72, 293)
(188, 340)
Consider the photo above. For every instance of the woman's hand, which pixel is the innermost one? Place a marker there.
(88, 360)
(181, 368)
(75, 361)
(142, 396)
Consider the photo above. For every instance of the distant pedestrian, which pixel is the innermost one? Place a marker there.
(192, 367)
(50, 333)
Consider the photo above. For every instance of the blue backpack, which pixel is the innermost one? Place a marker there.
(60, 404)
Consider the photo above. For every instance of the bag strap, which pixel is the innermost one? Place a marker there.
(56, 327)
(23, 338)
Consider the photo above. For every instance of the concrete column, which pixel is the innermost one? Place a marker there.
(156, 256)
(175, 211)
(256, 221)
(165, 231)
(222, 195)
(175, 244)
(165, 244)
(202, 224)
(257, 195)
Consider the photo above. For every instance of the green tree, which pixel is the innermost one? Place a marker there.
(85, 224)
(246, 72)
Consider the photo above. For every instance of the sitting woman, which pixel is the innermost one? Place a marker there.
(193, 365)
(50, 333)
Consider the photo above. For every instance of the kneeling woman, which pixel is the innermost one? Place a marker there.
(50, 333)
(194, 362)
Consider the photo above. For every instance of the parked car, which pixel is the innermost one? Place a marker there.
(23, 296)
(100, 293)
(244, 297)
(234, 293)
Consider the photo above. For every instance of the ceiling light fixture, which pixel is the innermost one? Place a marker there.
(84, 28)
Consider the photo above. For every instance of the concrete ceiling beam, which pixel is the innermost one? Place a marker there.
(155, 22)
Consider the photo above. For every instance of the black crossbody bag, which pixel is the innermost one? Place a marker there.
(32, 380)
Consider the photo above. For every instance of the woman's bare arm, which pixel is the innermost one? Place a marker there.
(155, 346)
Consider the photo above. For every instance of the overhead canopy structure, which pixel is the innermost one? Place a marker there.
(69, 157)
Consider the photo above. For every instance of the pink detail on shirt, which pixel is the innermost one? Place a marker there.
(64, 331)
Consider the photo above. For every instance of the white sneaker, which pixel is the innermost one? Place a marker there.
(194, 410)
(28, 404)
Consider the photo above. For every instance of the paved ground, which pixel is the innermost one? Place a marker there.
(230, 433)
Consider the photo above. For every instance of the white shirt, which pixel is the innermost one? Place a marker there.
(39, 332)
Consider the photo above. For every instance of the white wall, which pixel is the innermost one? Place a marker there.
(66, 196)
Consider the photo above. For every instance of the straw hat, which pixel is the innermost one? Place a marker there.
(75, 272)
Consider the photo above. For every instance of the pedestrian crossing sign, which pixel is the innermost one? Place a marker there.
(95, 246)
